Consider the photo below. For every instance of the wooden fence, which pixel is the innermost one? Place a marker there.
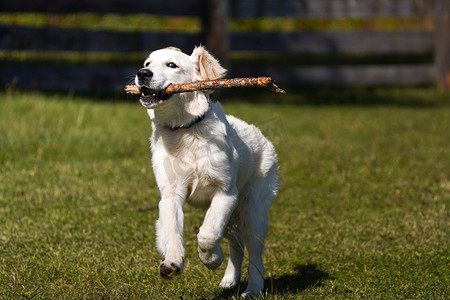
(215, 33)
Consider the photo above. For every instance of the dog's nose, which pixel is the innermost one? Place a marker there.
(144, 74)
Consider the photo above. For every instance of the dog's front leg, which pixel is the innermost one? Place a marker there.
(211, 232)
(169, 231)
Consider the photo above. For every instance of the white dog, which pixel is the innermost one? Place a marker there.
(208, 159)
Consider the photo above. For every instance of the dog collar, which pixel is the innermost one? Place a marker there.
(193, 122)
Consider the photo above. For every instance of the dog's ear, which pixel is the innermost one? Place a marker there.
(206, 66)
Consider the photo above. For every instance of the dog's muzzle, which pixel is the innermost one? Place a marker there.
(150, 97)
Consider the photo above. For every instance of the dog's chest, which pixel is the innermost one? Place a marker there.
(203, 165)
(205, 174)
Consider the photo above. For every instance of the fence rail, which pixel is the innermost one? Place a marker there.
(356, 42)
(58, 39)
(106, 77)
(332, 8)
(349, 75)
(360, 42)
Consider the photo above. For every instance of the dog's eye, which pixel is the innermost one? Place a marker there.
(146, 64)
(172, 65)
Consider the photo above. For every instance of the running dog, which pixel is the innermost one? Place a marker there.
(208, 159)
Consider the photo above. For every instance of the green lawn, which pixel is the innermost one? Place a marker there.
(362, 211)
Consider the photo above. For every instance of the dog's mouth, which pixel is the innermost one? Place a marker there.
(151, 98)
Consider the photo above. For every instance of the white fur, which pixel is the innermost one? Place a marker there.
(220, 163)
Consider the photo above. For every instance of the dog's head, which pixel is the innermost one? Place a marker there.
(171, 66)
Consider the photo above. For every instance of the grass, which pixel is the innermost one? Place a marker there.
(362, 211)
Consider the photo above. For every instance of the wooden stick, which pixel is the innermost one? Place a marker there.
(214, 84)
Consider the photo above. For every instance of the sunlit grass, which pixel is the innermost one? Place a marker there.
(362, 211)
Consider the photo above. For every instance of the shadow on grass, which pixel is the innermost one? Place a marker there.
(305, 277)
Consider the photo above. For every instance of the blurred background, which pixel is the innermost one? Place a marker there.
(97, 46)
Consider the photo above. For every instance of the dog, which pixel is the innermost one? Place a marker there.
(206, 158)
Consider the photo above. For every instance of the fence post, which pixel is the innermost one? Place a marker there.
(443, 44)
(215, 33)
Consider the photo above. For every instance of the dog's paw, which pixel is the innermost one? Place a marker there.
(228, 283)
(248, 294)
(169, 270)
(211, 258)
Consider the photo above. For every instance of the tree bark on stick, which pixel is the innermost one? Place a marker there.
(212, 85)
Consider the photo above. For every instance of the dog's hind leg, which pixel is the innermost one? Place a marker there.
(254, 225)
(253, 234)
(232, 275)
